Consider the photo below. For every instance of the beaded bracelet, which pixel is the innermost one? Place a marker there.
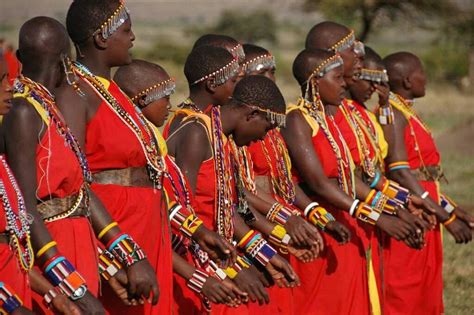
(386, 115)
(278, 214)
(106, 229)
(280, 238)
(425, 195)
(126, 250)
(353, 207)
(396, 192)
(183, 220)
(197, 281)
(63, 275)
(367, 214)
(45, 248)
(9, 300)
(320, 217)
(51, 295)
(375, 180)
(218, 272)
(108, 264)
(398, 166)
(447, 204)
(451, 219)
(258, 249)
(381, 202)
(241, 263)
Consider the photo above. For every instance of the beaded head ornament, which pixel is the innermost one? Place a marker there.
(377, 76)
(155, 92)
(266, 61)
(223, 74)
(345, 43)
(359, 48)
(120, 16)
(238, 52)
(275, 118)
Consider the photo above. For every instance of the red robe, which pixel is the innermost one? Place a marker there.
(59, 175)
(139, 211)
(10, 271)
(413, 278)
(335, 283)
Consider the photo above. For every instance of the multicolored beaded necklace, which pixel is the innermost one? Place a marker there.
(224, 204)
(189, 102)
(41, 94)
(281, 176)
(346, 178)
(142, 130)
(18, 228)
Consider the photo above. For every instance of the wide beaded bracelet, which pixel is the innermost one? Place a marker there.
(367, 214)
(197, 281)
(381, 202)
(317, 215)
(8, 299)
(63, 275)
(280, 238)
(183, 220)
(279, 214)
(386, 115)
(124, 248)
(241, 263)
(108, 264)
(447, 204)
(396, 192)
(257, 248)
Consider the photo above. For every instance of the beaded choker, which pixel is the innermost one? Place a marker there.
(120, 16)
(344, 43)
(139, 126)
(377, 76)
(189, 102)
(266, 61)
(238, 53)
(155, 92)
(223, 74)
(275, 118)
(40, 94)
(18, 227)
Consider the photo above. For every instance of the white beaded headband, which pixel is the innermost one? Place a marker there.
(266, 61)
(344, 43)
(378, 76)
(326, 66)
(155, 92)
(278, 119)
(222, 75)
(120, 16)
(238, 52)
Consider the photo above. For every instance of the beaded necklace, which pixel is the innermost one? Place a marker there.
(189, 102)
(223, 166)
(181, 192)
(281, 176)
(364, 152)
(18, 228)
(346, 178)
(140, 128)
(40, 94)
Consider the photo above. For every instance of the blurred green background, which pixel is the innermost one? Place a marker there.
(440, 32)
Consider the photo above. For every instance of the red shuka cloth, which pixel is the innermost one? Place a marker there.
(413, 278)
(139, 211)
(10, 271)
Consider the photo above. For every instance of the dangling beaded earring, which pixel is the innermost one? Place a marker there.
(71, 77)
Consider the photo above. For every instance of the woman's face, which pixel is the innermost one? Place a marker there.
(157, 112)
(332, 86)
(120, 43)
(6, 91)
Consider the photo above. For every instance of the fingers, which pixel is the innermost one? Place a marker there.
(156, 293)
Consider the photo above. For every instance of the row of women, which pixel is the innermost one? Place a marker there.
(243, 204)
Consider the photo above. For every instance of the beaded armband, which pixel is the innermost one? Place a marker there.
(124, 248)
(108, 264)
(241, 263)
(183, 220)
(386, 115)
(317, 215)
(257, 248)
(63, 275)
(280, 238)
(447, 204)
(278, 214)
(197, 281)
(367, 214)
(381, 202)
(8, 299)
(216, 271)
(398, 166)
(396, 192)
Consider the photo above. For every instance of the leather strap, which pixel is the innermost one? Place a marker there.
(128, 177)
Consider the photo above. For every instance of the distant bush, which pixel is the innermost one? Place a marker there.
(165, 49)
(446, 63)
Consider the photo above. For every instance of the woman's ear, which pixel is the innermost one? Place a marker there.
(210, 86)
(99, 41)
(141, 101)
(406, 83)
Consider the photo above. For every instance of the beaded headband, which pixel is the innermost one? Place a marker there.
(120, 15)
(359, 48)
(222, 75)
(266, 61)
(326, 66)
(238, 52)
(378, 76)
(155, 92)
(274, 117)
(344, 43)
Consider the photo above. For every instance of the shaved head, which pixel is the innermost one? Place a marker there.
(401, 65)
(372, 60)
(42, 42)
(307, 61)
(138, 76)
(325, 34)
(216, 40)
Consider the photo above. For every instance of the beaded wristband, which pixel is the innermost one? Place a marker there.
(197, 281)
(106, 229)
(396, 192)
(280, 238)
(353, 207)
(367, 214)
(108, 264)
(386, 115)
(447, 204)
(63, 275)
(183, 220)
(51, 295)
(375, 180)
(398, 166)
(450, 220)
(241, 263)
(320, 217)
(124, 248)
(218, 272)
(45, 248)
(9, 300)
(258, 249)
(278, 214)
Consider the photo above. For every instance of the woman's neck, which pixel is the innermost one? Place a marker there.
(97, 66)
(201, 99)
(331, 110)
